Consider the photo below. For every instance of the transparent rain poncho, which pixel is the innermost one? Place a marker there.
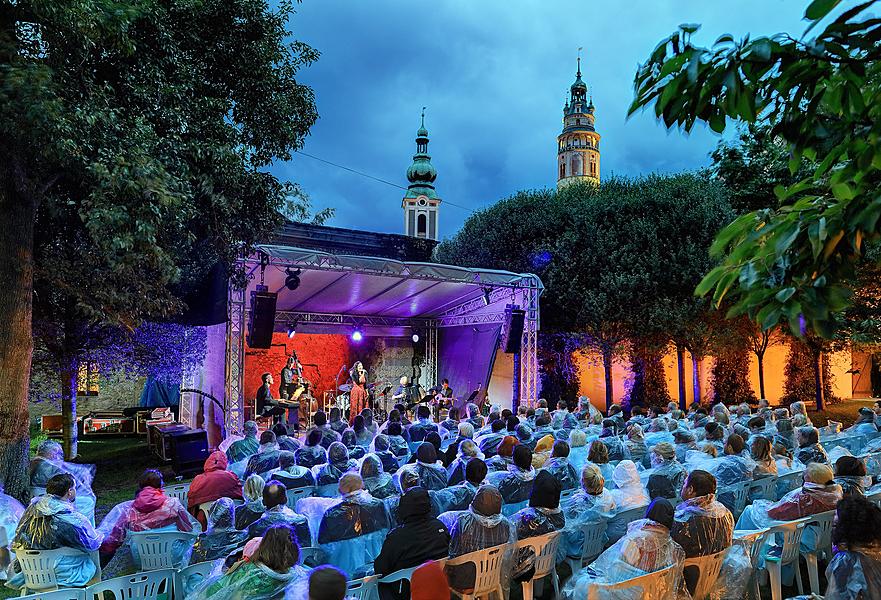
(854, 574)
(702, 526)
(350, 441)
(431, 474)
(310, 456)
(672, 470)
(42, 469)
(628, 494)
(353, 529)
(489, 442)
(422, 427)
(292, 476)
(49, 523)
(220, 536)
(453, 498)
(731, 470)
(617, 448)
(282, 515)
(811, 453)
(264, 461)
(565, 473)
(533, 522)
(381, 448)
(398, 445)
(337, 465)
(379, 483)
(581, 508)
(636, 444)
(515, 485)
(242, 449)
(11, 511)
(249, 512)
(251, 580)
(645, 548)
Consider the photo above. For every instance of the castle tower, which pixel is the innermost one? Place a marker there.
(421, 202)
(578, 146)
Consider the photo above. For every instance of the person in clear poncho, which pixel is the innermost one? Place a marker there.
(615, 445)
(220, 536)
(11, 511)
(809, 448)
(49, 462)
(275, 500)
(850, 474)
(362, 434)
(336, 420)
(285, 442)
(289, 473)
(628, 493)
(489, 442)
(270, 572)
(458, 497)
(645, 548)
(350, 441)
(558, 465)
(542, 451)
(798, 408)
(635, 443)
(423, 425)
(51, 521)
(598, 454)
(854, 573)
(591, 503)
(313, 453)
(760, 451)
(468, 451)
(684, 441)
(714, 434)
(266, 458)
(376, 481)
(731, 469)
(515, 485)
(474, 416)
(702, 525)
(328, 435)
(338, 463)
(481, 526)
(543, 515)
(451, 423)
(664, 464)
(352, 529)
(151, 510)
(214, 482)
(253, 508)
(381, 448)
(243, 449)
(431, 474)
(397, 444)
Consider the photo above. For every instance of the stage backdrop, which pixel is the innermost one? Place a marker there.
(466, 357)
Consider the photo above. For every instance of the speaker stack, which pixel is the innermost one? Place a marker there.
(261, 321)
(512, 331)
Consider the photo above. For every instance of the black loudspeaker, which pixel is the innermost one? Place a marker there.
(261, 321)
(512, 330)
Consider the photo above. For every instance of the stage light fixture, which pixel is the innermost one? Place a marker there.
(357, 335)
(415, 338)
(292, 281)
(486, 298)
(292, 329)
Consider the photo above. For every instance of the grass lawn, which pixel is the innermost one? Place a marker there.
(845, 412)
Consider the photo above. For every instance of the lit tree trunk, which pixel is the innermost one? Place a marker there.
(607, 373)
(18, 212)
(761, 360)
(680, 373)
(68, 375)
(696, 376)
(819, 395)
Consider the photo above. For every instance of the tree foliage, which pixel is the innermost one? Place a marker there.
(794, 262)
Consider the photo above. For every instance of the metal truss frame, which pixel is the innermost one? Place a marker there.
(529, 379)
(234, 371)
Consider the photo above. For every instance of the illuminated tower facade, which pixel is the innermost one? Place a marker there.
(578, 146)
(421, 202)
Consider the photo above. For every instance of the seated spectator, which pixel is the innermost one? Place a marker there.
(451, 423)
(558, 466)
(702, 526)
(381, 448)
(289, 473)
(504, 457)
(516, 485)
(664, 464)
(798, 409)
(760, 450)
(397, 444)
(524, 435)
(244, 448)
(363, 435)
(481, 526)
(327, 583)
(629, 491)
(591, 503)
(406, 480)
(221, 536)
(459, 496)
(465, 431)
(423, 425)
(369, 423)
(151, 510)
(419, 537)
(685, 441)
(270, 572)
(542, 451)
(350, 441)
(352, 530)
(213, 483)
(282, 436)
(635, 444)
(489, 442)
(376, 481)
(49, 462)
(543, 515)
(731, 469)
(854, 573)
(785, 434)
(50, 522)
(468, 450)
(328, 435)
(809, 448)
(474, 416)
(253, 508)
(659, 486)
(266, 458)
(714, 434)
(617, 450)
(338, 463)
(313, 453)
(336, 421)
(577, 449)
(616, 415)
(275, 500)
(431, 474)
(865, 423)
(645, 548)
(850, 474)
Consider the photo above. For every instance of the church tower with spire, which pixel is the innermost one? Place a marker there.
(578, 146)
(421, 201)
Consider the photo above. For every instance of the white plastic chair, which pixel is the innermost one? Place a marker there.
(488, 576)
(145, 586)
(652, 586)
(179, 491)
(312, 556)
(189, 578)
(326, 491)
(708, 573)
(763, 489)
(788, 482)
(297, 493)
(619, 522)
(65, 594)
(38, 567)
(741, 495)
(155, 548)
(545, 548)
(594, 537)
(822, 525)
(791, 533)
(362, 589)
(757, 538)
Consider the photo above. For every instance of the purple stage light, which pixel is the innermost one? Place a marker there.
(357, 336)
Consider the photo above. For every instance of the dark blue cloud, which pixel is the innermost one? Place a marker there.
(494, 76)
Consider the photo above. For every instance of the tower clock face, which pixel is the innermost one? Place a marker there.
(422, 200)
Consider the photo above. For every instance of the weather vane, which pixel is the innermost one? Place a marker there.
(423, 116)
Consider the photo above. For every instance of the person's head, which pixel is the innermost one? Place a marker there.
(286, 460)
(150, 478)
(710, 449)
(615, 409)
(349, 439)
(267, 437)
(799, 420)
(221, 514)
(426, 453)
(253, 488)
(763, 403)
(423, 412)
(350, 482)
(598, 453)
(682, 436)
(414, 506)
(523, 457)
(819, 473)
(734, 445)
(250, 429)
(524, 433)
(782, 451)
(266, 378)
(381, 443)
(408, 480)
(876, 407)
(358, 424)
(857, 523)
(327, 583)
(543, 420)
(445, 383)
(743, 409)
(497, 426)
(51, 450)
(760, 448)
(756, 424)
(404, 380)
(661, 512)
(610, 427)
(395, 428)
(453, 415)
(662, 452)
(506, 447)
(546, 491)
(637, 411)
(468, 448)
(511, 424)
(279, 429)
(506, 414)
(561, 449)
(319, 418)
(475, 471)
(592, 480)
(577, 438)
(466, 430)
(394, 416)
(274, 494)
(278, 550)
(808, 436)
(335, 414)
(659, 486)
(850, 466)
(797, 408)
(62, 486)
(337, 454)
(713, 431)
(487, 501)
(784, 426)
(542, 403)
(866, 415)
(434, 439)
(698, 483)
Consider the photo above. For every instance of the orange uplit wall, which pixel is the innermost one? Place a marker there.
(592, 381)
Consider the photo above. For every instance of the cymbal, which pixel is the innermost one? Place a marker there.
(346, 387)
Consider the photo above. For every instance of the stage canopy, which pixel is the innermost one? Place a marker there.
(460, 311)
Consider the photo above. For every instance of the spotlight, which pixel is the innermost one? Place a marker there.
(486, 298)
(357, 335)
(415, 338)
(292, 329)
(292, 281)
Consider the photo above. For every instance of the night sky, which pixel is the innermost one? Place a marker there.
(493, 75)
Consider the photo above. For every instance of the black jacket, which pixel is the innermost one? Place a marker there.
(419, 538)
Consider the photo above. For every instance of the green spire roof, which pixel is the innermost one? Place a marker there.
(421, 173)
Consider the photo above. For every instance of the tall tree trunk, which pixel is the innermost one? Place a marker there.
(819, 395)
(607, 373)
(16, 343)
(68, 408)
(761, 360)
(680, 373)
(696, 376)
